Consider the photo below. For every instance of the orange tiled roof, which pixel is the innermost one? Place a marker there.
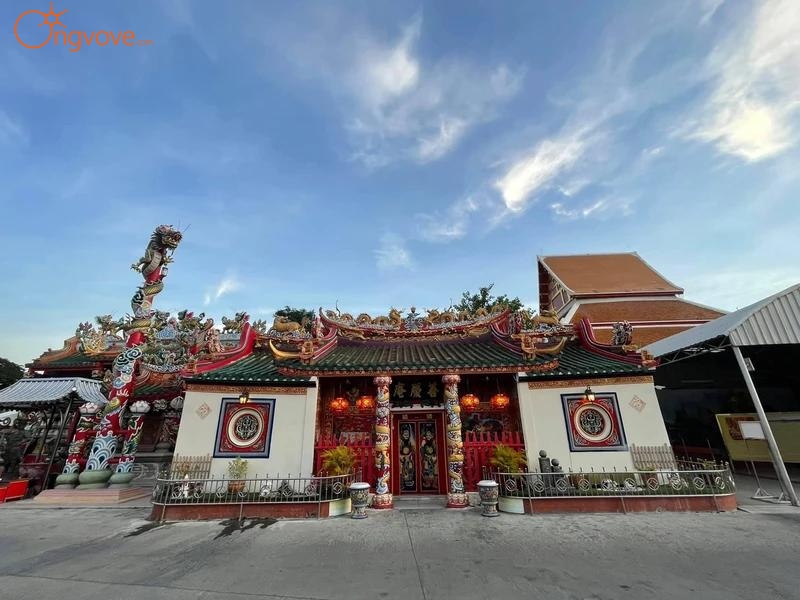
(673, 309)
(642, 336)
(590, 274)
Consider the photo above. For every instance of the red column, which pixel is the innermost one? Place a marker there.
(383, 446)
(456, 496)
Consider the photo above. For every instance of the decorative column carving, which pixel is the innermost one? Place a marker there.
(383, 491)
(145, 320)
(81, 440)
(456, 496)
(168, 432)
(124, 473)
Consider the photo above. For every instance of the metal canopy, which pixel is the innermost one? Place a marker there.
(37, 392)
(773, 320)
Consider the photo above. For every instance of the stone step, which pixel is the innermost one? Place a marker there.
(67, 497)
(420, 502)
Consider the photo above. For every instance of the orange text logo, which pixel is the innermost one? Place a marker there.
(74, 39)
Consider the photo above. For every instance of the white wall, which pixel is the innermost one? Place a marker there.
(292, 446)
(545, 427)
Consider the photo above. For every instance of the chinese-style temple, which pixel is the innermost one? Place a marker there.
(420, 398)
(608, 289)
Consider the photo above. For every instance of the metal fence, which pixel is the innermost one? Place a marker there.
(689, 479)
(276, 490)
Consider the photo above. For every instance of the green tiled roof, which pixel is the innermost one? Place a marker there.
(401, 356)
(575, 361)
(153, 389)
(73, 360)
(255, 368)
(458, 355)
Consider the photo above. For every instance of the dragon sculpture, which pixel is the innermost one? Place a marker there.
(622, 334)
(153, 267)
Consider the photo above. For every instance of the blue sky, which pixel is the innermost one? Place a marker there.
(394, 154)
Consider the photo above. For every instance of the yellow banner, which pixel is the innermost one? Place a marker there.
(785, 427)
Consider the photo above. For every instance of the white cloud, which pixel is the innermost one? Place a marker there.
(392, 253)
(224, 287)
(751, 111)
(601, 208)
(536, 169)
(709, 8)
(395, 105)
(450, 225)
(734, 289)
(12, 131)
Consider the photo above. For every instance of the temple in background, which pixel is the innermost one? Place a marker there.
(610, 288)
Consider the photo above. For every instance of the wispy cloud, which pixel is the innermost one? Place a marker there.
(536, 169)
(392, 253)
(751, 112)
(452, 224)
(12, 131)
(395, 105)
(601, 208)
(733, 289)
(225, 286)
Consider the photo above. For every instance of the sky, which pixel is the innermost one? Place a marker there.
(373, 155)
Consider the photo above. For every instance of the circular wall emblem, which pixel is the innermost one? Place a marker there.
(593, 422)
(245, 427)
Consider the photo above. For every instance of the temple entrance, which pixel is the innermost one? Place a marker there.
(419, 458)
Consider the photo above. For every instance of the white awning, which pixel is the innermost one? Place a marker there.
(32, 391)
(773, 320)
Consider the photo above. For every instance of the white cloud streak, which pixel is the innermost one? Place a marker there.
(224, 287)
(392, 253)
(751, 112)
(12, 131)
(395, 105)
(450, 225)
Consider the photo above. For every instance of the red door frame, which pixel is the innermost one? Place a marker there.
(417, 416)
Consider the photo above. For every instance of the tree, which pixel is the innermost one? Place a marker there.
(9, 372)
(299, 315)
(484, 299)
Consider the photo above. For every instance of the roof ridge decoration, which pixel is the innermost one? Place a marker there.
(629, 353)
(412, 324)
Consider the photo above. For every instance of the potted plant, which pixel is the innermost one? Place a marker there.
(507, 459)
(237, 469)
(338, 462)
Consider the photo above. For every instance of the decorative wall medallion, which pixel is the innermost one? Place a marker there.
(203, 410)
(593, 426)
(637, 403)
(244, 429)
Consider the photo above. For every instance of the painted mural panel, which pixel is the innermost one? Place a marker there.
(244, 429)
(593, 425)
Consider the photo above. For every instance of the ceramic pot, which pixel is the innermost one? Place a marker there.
(234, 487)
(489, 492)
(359, 498)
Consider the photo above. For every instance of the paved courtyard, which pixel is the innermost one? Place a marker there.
(411, 554)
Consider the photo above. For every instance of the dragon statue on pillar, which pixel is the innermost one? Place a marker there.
(153, 267)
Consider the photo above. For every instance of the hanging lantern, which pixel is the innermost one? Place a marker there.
(499, 402)
(470, 402)
(365, 404)
(339, 405)
(588, 394)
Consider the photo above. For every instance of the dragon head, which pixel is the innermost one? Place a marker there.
(167, 237)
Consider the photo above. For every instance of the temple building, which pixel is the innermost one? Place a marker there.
(611, 288)
(422, 400)
(419, 398)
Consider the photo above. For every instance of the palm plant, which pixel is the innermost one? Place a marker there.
(508, 459)
(338, 461)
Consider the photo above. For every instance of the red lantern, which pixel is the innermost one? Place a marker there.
(339, 405)
(499, 402)
(365, 404)
(470, 402)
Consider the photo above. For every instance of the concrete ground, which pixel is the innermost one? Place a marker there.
(405, 554)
